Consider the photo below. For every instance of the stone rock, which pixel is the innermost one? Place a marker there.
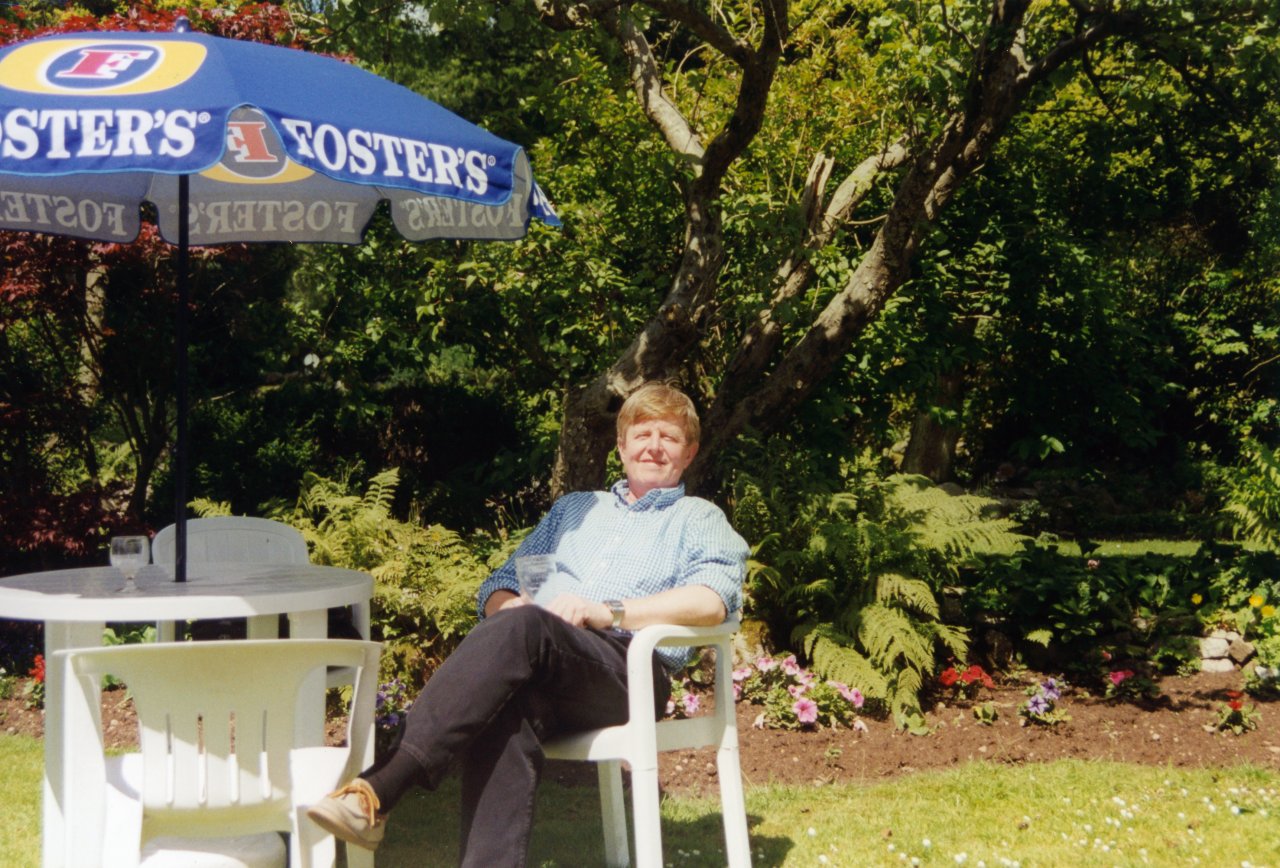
(1214, 647)
(1229, 635)
(1217, 664)
(1240, 651)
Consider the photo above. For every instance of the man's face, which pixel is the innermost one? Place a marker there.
(655, 452)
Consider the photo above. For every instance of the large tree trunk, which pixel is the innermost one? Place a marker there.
(931, 448)
(661, 350)
(767, 379)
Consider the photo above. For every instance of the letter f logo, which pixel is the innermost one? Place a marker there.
(104, 63)
(246, 139)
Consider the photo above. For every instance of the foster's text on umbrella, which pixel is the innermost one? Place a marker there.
(53, 135)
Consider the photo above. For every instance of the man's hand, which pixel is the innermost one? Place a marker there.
(580, 612)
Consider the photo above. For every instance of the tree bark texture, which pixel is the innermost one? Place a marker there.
(767, 377)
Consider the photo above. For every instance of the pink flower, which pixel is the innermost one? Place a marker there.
(806, 678)
(796, 690)
(691, 703)
(805, 710)
(790, 666)
(1093, 563)
(742, 673)
(737, 692)
(852, 695)
(671, 706)
(766, 664)
(1120, 676)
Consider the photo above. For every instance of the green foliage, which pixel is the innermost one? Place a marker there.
(853, 576)
(1254, 505)
(426, 577)
(1133, 608)
(795, 698)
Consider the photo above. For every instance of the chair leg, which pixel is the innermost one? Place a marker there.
(648, 818)
(613, 814)
(311, 846)
(358, 857)
(733, 809)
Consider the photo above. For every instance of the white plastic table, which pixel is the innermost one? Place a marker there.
(76, 605)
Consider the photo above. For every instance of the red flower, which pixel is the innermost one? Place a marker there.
(949, 676)
(37, 671)
(1234, 694)
(975, 673)
(1235, 704)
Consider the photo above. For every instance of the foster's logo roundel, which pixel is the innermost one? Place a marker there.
(101, 67)
(254, 154)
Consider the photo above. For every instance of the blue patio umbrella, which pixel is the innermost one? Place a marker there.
(251, 142)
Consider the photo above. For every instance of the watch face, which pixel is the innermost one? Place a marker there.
(615, 606)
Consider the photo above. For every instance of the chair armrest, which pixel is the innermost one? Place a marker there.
(647, 639)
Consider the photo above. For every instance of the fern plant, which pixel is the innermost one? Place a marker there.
(1254, 500)
(425, 578)
(852, 576)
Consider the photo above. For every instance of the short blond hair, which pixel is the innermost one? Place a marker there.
(659, 401)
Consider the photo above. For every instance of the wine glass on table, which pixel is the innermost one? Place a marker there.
(129, 554)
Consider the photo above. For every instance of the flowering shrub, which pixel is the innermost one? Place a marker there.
(1042, 707)
(1235, 716)
(35, 687)
(1127, 684)
(795, 698)
(967, 682)
(683, 702)
(390, 707)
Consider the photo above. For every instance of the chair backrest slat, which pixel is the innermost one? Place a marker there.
(216, 723)
(233, 539)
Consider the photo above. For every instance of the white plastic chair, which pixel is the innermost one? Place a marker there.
(245, 540)
(639, 740)
(217, 779)
(232, 539)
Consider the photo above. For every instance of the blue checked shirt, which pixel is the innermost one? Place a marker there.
(607, 548)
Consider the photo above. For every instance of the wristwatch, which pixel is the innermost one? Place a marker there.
(619, 611)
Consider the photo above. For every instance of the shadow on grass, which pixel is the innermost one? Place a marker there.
(423, 831)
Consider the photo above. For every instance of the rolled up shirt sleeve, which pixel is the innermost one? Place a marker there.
(714, 555)
(541, 540)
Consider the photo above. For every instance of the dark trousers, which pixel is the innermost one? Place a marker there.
(521, 676)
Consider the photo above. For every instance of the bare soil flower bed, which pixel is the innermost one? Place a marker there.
(1170, 730)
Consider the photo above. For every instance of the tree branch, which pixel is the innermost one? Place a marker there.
(646, 78)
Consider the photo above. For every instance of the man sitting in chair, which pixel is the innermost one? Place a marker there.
(641, 553)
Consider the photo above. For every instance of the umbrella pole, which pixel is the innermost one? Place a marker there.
(180, 366)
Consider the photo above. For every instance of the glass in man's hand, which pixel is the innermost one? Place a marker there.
(129, 554)
(532, 571)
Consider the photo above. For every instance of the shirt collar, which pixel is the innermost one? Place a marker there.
(657, 498)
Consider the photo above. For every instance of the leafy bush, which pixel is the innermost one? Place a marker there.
(795, 698)
(853, 576)
(425, 577)
(1254, 500)
(1148, 608)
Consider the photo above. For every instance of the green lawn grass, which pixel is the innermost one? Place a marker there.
(1063, 813)
(1066, 812)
